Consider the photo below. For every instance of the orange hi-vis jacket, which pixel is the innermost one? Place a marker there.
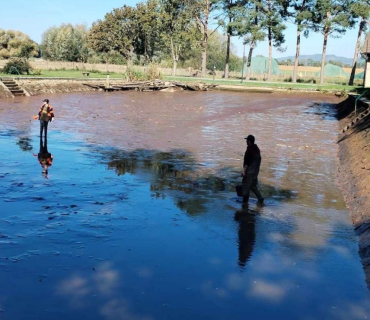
(48, 113)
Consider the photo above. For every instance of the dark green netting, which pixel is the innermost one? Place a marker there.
(331, 70)
(360, 75)
(259, 66)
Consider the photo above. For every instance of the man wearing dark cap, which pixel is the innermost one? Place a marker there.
(251, 168)
(46, 114)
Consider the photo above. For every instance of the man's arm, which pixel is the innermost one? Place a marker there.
(245, 162)
(42, 106)
(51, 111)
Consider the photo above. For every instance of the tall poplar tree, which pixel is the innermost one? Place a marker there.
(177, 28)
(202, 11)
(359, 9)
(331, 18)
(272, 10)
(251, 25)
(300, 12)
(230, 9)
(149, 24)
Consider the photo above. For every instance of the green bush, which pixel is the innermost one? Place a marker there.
(17, 66)
(133, 75)
(36, 72)
(95, 71)
(152, 72)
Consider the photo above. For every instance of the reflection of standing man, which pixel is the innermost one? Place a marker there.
(45, 157)
(246, 235)
(46, 114)
(251, 168)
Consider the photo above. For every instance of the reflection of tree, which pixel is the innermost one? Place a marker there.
(178, 170)
(170, 170)
(25, 144)
(246, 234)
(192, 206)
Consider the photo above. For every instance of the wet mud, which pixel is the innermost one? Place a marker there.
(354, 173)
(137, 217)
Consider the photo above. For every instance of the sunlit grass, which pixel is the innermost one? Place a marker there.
(275, 85)
(76, 74)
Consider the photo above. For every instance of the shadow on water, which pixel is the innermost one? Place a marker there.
(177, 172)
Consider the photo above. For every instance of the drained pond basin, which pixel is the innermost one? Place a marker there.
(137, 217)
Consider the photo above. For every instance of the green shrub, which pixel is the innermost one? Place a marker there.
(95, 71)
(152, 72)
(17, 66)
(36, 72)
(133, 75)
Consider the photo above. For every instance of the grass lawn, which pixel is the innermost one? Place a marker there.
(283, 85)
(77, 74)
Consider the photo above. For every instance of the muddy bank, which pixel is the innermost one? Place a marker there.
(354, 173)
(38, 86)
(4, 93)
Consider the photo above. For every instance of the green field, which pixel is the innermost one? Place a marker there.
(77, 74)
(275, 85)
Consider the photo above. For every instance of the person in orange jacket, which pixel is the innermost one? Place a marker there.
(46, 115)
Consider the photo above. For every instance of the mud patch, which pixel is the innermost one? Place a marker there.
(354, 174)
(37, 87)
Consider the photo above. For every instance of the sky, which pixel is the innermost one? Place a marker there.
(35, 17)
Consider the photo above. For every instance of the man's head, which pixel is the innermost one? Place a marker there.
(46, 100)
(250, 140)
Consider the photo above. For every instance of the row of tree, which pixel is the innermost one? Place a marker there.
(176, 26)
(187, 30)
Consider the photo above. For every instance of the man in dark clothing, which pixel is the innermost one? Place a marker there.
(251, 168)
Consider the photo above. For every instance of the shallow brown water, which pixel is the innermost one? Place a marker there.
(138, 218)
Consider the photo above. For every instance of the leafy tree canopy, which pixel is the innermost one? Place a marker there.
(16, 44)
(65, 43)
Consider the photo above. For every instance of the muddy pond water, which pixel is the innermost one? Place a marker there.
(137, 217)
